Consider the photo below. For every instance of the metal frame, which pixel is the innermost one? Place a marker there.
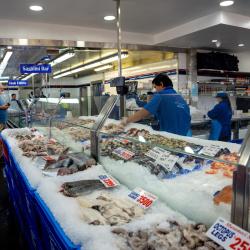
(95, 130)
(241, 186)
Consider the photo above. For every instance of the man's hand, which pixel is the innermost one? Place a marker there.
(4, 107)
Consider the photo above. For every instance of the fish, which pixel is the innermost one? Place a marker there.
(224, 196)
(77, 188)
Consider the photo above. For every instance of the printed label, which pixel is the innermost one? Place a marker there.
(142, 198)
(108, 181)
(123, 153)
(211, 150)
(229, 236)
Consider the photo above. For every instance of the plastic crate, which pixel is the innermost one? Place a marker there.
(52, 233)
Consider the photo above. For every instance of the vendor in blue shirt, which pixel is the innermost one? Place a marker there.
(222, 112)
(3, 113)
(169, 108)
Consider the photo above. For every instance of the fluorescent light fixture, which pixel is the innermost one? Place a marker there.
(4, 78)
(5, 60)
(241, 44)
(226, 3)
(36, 8)
(29, 76)
(61, 58)
(3, 81)
(214, 41)
(109, 18)
(56, 100)
(109, 66)
(91, 65)
(9, 47)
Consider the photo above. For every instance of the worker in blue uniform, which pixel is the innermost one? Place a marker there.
(222, 113)
(168, 107)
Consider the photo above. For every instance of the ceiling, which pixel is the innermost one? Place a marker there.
(141, 16)
(229, 37)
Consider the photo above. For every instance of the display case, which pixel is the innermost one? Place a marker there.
(188, 182)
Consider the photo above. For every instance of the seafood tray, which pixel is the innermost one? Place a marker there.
(173, 236)
(123, 149)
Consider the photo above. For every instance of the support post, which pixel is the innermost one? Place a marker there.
(119, 47)
(241, 186)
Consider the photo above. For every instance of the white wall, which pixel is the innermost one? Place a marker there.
(244, 64)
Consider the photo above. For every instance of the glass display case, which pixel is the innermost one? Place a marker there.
(190, 175)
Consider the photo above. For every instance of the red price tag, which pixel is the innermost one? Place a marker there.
(108, 181)
(142, 198)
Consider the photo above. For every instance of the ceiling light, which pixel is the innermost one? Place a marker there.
(241, 44)
(109, 66)
(109, 18)
(9, 47)
(61, 58)
(5, 60)
(214, 41)
(91, 65)
(36, 8)
(29, 76)
(226, 3)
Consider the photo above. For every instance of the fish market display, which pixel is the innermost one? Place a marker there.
(70, 164)
(77, 188)
(33, 146)
(223, 168)
(156, 160)
(113, 129)
(76, 122)
(78, 133)
(108, 210)
(173, 237)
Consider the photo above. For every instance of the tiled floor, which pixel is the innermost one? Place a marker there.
(10, 237)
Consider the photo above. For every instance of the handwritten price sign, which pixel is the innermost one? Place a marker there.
(229, 236)
(211, 150)
(108, 181)
(142, 198)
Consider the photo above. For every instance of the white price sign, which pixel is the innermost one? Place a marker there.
(142, 198)
(229, 236)
(211, 150)
(168, 161)
(108, 181)
(163, 158)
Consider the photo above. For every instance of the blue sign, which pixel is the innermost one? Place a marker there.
(17, 83)
(33, 68)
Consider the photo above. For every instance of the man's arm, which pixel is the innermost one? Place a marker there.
(4, 107)
(139, 115)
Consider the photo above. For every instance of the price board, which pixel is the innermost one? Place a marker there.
(142, 198)
(229, 236)
(123, 153)
(108, 181)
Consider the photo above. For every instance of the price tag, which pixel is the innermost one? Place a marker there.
(108, 181)
(163, 158)
(156, 153)
(168, 161)
(211, 150)
(123, 141)
(142, 198)
(229, 236)
(123, 153)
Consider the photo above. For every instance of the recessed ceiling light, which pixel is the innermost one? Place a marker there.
(226, 3)
(214, 41)
(241, 44)
(109, 18)
(36, 8)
